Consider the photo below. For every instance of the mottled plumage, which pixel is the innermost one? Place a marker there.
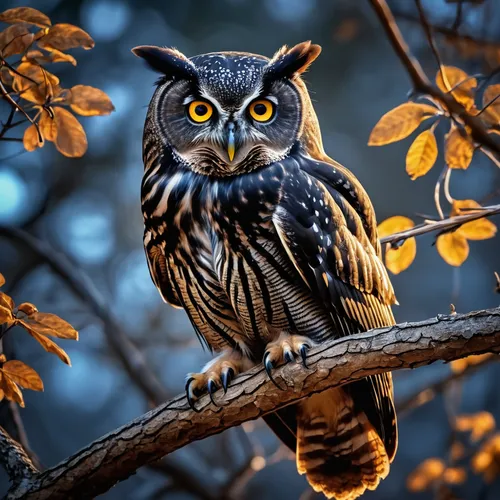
(268, 245)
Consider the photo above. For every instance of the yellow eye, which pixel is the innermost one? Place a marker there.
(200, 111)
(261, 110)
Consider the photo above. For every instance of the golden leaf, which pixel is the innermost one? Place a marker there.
(54, 56)
(398, 259)
(71, 139)
(464, 91)
(400, 122)
(11, 391)
(422, 154)
(15, 39)
(58, 56)
(49, 324)
(458, 149)
(25, 15)
(6, 306)
(48, 127)
(2, 280)
(27, 308)
(460, 365)
(22, 375)
(455, 475)
(492, 112)
(478, 424)
(487, 460)
(453, 248)
(30, 139)
(5, 76)
(36, 84)
(89, 101)
(49, 346)
(425, 474)
(480, 229)
(66, 36)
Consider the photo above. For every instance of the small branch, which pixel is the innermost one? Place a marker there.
(117, 455)
(445, 225)
(13, 458)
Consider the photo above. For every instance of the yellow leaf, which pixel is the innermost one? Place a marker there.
(71, 139)
(15, 39)
(487, 460)
(455, 475)
(36, 84)
(460, 365)
(2, 280)
(58, 56)
(398, 259)
(492, 112)
(23, 375)
(66, 36)
(50, 346)
(453, 248)
(49, 324)
(6, 306)
(25, 15)
(427, 473)
(30, 139)
(458, 149)
(27, 308)
(12, 392)
(480, 229)
(89, 101)
(464, 92)
(400, 122)
(422, 154)
(478, 424)
(48, 127)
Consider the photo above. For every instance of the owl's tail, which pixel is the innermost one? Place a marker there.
(338, 449)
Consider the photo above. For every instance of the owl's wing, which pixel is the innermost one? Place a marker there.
(324, 221)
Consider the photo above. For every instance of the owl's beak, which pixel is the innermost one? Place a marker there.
(230, 142)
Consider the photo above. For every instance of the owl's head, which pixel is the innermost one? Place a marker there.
(229, 112)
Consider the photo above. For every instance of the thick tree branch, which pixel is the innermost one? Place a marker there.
(14, 459)
(114, 457)
(423, 85)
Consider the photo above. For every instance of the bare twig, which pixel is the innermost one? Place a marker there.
(112, 458)
(445, 225)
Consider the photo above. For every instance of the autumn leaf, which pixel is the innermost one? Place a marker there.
(400, 122)
(455, 475)
(34, 83)
(25, 15)
(15, 39)
(54, 56)
(398, 259)
(464, 91)
(50, 346)
(10, 389)
(49, 324)
(22, 375)
(478, 424)
(487, 460)
(458, 149)
(89, 101)
(492, 112)
(460, 365)
(71, 140)
(6, 307)
(427, 473)
(2, 280)
(66, 36)
(48, 127)
(422, 154)
(453, 248)
(480, 229)
(27, 308)
(30, 138)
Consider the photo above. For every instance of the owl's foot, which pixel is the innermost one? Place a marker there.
(216, 374)
(285, 349)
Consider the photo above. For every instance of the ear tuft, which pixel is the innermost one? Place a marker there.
(290, 63)
(170, 62)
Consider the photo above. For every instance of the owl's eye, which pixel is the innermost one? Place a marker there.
(261, 110)
(200, 111)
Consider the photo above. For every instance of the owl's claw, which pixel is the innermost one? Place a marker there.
(211, 388)
(268, 365)
(303, 353)
(190, 394)
(227, 376)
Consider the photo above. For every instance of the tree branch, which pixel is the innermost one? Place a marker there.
(14, 459)
(423, 85)
(114, 457)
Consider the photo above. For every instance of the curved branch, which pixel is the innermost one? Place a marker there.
(114, 457)
(14, 459)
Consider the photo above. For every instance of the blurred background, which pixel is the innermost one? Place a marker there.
(89, 209)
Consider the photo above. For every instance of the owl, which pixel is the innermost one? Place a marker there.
(269, 245)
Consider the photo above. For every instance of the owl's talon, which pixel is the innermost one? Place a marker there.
(288, 355)
(227, 377)
(269, 365)
(189, 396)
(303, 354)
(211, 388)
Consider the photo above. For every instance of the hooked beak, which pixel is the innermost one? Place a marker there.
(230, 142)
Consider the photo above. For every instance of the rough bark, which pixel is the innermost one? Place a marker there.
(117, 455)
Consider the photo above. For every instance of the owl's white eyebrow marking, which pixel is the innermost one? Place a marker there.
(209, 98)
